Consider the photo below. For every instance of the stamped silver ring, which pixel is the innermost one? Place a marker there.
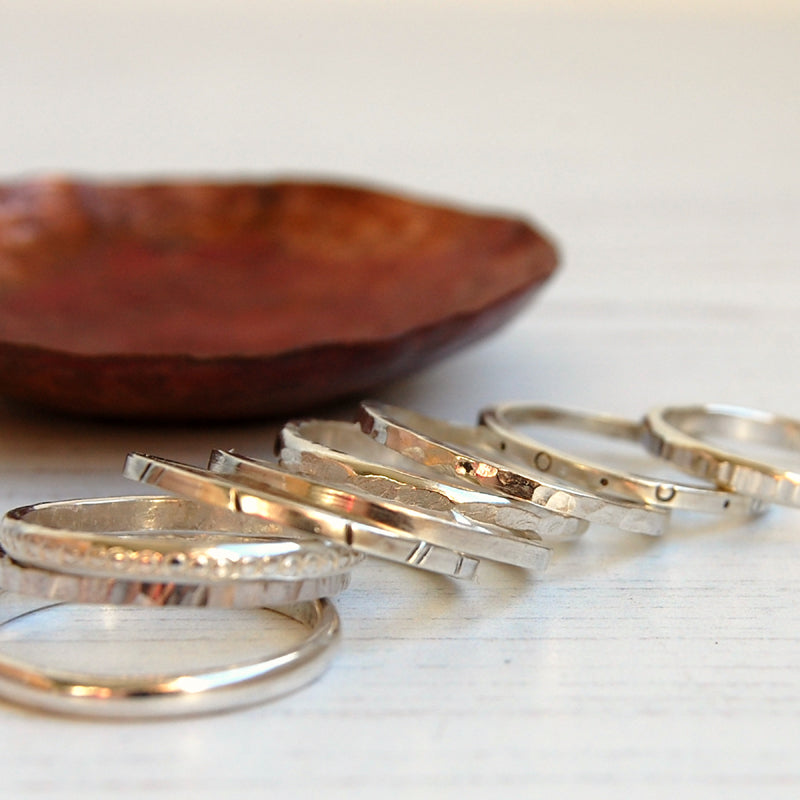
(506, 419)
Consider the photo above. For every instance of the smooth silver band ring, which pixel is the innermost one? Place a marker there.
(205, 690)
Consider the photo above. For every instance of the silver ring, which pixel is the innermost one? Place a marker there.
(164, 539)
(679, 434)
(504, 419)
(380, 533)
(185, 692)
(340, 453)
(471, 452)
(69, 587)
(481, 541)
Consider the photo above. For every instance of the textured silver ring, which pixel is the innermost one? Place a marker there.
(472, 452)
(165, 539)
(681, 435)
(70, 587)
(340, 453)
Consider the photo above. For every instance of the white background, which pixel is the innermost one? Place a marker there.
(660, 144)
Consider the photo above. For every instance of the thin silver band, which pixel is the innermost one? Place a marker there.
(164, 539)
(481, 541)
(679, 434)
(74, 588)
(340, 453)
(186, 692)
(504, 419)
(363, 534)
(471, 452)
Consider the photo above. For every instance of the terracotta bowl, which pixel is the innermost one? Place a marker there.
(195, 301)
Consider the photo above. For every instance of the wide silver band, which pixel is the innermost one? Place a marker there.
(482, 541)
(340, 453)
(471, 452)
(680, 435)
(70, 587)
(165, 539)
(377, 532)
(506, 418)
(185, 692)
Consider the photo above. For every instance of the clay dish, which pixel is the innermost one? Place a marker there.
(197, 301)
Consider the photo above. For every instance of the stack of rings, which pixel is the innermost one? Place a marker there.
(245, 532)
(164, 551)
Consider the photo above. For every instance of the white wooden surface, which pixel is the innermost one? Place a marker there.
(661, 144)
